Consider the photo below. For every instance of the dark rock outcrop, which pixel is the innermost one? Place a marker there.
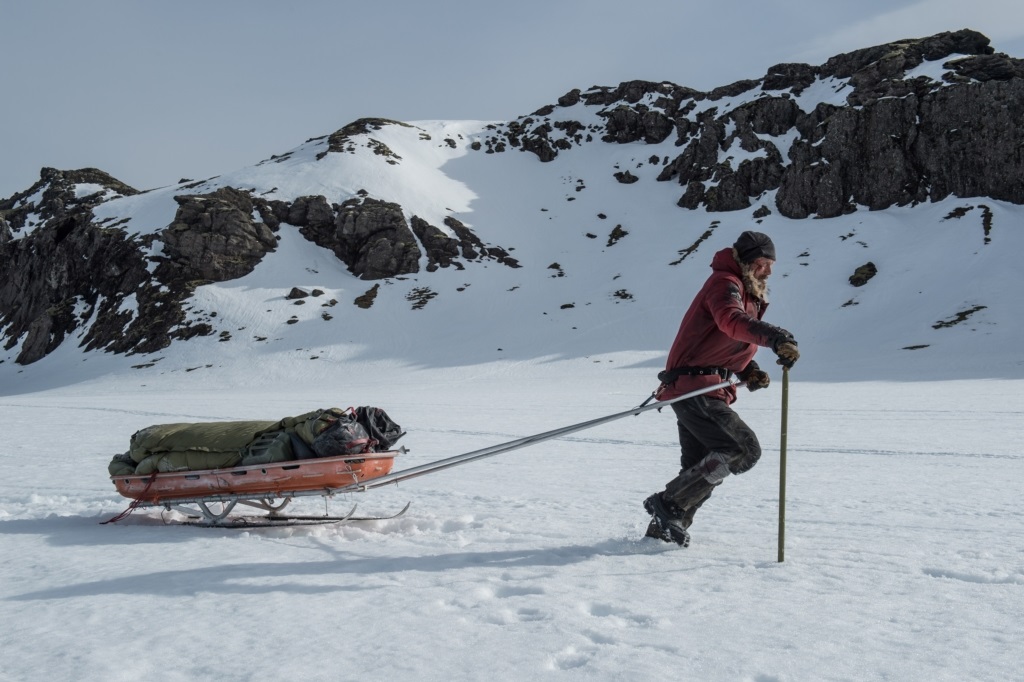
(374, 240)
(899, 139)
(792, 77)
(627, 124)
(863, 274)
(570, 98)
(346, 139)
(960, 141)
(372, 237)
(442, 250)
(213, 238)
(62, 275)
(474, 249)
(71, 273)
(60, 195)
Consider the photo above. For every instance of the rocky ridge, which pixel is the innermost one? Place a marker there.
(890, 138)
(896, 139)
(64, 270)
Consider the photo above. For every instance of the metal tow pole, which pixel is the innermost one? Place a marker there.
(457, 460)
(782, 465)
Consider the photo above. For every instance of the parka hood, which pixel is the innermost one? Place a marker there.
(725, 261)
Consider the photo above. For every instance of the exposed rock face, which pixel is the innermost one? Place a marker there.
(442, 250)
(59, 196)
(214, 238)
(62, 275)
(348, 138)
(369, 235)
(898, 139)
(71, 271)
(67, 269)
(374, 239)
(629, 124)
(473, 249)
(897, 151)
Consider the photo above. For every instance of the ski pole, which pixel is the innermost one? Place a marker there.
(441, 464)
(782, 465)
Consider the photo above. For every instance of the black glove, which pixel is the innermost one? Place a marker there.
(757, 379)
(753, 377)
(785, 348)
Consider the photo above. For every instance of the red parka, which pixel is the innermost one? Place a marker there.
(722, 328)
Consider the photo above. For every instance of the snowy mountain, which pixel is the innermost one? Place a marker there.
(580, 230)
(485, 282)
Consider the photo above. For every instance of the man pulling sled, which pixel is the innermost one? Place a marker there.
(719, 335)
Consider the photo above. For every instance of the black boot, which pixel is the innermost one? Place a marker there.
(666, 523)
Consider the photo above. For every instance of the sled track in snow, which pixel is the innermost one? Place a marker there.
(115, 410)
(903, 453)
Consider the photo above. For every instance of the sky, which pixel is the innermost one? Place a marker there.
(154, 92)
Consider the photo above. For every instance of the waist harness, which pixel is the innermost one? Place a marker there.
(669, 376)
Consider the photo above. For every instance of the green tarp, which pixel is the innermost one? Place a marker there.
(214, 445)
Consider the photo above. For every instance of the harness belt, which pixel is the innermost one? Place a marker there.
(669, 376)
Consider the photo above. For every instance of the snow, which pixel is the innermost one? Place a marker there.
(85, 189)
(904, 552)
(829, 90)
(903, 546)
(934, 69)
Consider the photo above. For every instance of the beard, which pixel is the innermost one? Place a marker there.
(756, 286)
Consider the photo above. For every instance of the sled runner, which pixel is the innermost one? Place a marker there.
(211, 495)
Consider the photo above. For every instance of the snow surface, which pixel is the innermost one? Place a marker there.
(903, 554)
(904, 542)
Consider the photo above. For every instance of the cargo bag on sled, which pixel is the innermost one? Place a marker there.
(215, 445)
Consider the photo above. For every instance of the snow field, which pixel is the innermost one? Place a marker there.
(903, 555)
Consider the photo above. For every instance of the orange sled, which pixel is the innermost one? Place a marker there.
(214, 493)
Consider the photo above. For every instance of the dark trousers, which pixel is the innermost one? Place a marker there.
(707, 426)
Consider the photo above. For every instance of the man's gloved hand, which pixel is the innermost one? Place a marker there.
(757, 379)
(787, 351)
(753, 377)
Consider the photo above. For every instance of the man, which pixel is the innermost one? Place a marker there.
(719, 335)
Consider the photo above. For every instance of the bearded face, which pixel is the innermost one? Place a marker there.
(761, 268)
(755, 276)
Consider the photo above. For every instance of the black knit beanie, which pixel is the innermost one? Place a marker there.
(753, 245)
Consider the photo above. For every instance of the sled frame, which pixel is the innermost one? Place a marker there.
(216, 510)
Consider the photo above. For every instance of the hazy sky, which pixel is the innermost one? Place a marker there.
(152, 92)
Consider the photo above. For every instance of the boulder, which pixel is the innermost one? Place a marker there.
(214, 238)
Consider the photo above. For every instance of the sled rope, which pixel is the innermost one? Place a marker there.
(134, 503)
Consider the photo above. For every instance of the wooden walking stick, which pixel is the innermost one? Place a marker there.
(782, 465)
